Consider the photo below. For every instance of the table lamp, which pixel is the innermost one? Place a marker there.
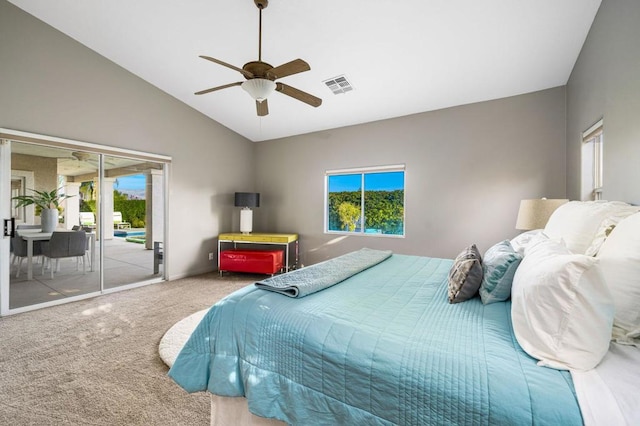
(534, 214)
(247, 200)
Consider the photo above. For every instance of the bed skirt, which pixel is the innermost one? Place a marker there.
(227, 411)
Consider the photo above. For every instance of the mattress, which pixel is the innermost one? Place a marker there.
(382, 347)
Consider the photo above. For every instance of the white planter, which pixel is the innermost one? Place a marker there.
(49, 219)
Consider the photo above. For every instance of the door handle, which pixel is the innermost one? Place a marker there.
(10, 231)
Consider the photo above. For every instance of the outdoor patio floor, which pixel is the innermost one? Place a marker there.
(124, 263)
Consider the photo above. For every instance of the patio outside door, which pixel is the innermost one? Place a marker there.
(118, 200)
(133, 211)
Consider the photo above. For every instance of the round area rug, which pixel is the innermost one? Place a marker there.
(174, 339)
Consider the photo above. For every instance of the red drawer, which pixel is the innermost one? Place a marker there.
(254, 261)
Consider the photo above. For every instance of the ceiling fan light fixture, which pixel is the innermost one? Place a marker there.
(260, 76)
(259, 88)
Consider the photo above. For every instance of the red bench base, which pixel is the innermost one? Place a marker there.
(253, 261)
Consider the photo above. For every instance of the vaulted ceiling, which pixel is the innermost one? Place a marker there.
(401, 57)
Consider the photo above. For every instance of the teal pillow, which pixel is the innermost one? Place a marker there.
(499, 265)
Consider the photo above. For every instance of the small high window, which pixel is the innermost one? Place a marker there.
(365, 201)
(592, 162)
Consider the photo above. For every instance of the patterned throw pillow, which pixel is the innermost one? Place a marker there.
(465, 275)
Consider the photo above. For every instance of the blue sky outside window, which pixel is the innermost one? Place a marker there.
(134, 186)
(340, 183)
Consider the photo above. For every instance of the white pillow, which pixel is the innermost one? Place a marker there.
(620, 262)
(562, 310)
(621, 211)
(520, 242)
(578, 222)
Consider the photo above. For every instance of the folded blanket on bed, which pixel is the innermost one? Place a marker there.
(302, 282)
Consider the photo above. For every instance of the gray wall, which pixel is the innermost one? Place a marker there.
(467, 168)
(605, 83)
(52, 85)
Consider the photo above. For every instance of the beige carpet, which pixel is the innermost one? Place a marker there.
(96, 362)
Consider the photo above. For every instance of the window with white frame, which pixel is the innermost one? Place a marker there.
(367, 201)
(592, 161)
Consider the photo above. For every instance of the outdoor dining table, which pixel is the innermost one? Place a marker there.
(31, 235)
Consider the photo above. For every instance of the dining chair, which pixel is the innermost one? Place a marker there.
(63, 245)
(19, 250)
(24, 226)
(88, 230)
(158, 256)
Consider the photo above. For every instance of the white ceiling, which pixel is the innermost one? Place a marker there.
(402, 57)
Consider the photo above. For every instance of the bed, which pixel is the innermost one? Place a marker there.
(386, 345)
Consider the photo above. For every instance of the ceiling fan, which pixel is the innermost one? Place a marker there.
(261, 76)
(87, 158)
(82, 156)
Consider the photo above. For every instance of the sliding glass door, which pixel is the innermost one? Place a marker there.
(115, 200)
(133, 194)
(35, 278)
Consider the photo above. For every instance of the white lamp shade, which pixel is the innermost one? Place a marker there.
(534, 214)
(259, 88)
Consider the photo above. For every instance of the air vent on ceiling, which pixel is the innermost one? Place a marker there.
(339, 85)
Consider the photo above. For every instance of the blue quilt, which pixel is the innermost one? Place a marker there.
(380, 348)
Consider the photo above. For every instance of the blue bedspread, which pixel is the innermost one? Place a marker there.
(383, 347)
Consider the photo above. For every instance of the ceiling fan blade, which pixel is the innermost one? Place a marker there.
(262, 108)
(224, 64)
(299, 95)
(290, 68)
(213, 89)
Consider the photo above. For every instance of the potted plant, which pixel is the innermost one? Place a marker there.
(48, 202)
